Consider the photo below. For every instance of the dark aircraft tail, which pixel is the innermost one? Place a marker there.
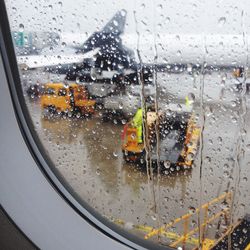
(112, 54)
(116, 24)
(111, 31)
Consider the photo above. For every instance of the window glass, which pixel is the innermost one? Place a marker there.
(154, 132)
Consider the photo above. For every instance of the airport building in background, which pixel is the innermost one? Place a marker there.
(28, 43)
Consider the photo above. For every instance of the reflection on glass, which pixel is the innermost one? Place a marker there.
(143, 109)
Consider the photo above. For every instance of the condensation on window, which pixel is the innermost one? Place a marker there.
(142, 108)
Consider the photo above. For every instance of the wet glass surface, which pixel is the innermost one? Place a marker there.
(186, 66)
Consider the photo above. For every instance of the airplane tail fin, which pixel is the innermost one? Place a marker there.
(113, 29)
(116, 24)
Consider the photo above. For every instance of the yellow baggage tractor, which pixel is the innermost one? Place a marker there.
(177, 144)
(72, 99)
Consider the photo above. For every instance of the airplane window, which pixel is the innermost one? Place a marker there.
(141, 109)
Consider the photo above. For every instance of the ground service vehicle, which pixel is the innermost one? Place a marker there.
(178, 140)
(70, 99)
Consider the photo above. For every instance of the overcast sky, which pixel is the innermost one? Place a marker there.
(156, 19)
(169, 16)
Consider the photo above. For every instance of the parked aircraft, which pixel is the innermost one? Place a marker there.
(105, 65)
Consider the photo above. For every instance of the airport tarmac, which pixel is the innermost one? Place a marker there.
(87, 154)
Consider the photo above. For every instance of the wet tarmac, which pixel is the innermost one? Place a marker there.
(87, 153)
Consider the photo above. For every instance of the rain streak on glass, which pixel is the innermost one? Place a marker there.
(143, 109)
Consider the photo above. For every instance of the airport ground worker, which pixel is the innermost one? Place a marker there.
(137, 123)
(137, 120)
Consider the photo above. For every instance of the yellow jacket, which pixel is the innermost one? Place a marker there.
(137, 123)
(137, 119)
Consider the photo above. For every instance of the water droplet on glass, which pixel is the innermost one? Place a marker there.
(207, 159)
(123, 13)
(166, 164)
(120, 106)
(191, 210)
(93, 76)
(21, 27)
(191, 98)
(128, 225)
(143, 6)
(233, 104)
(189, 68)
(159, 7)
(222, 21)
(167, 20)
(153, 217)
(234, 119)
(226, 174)
(178, 53)
(245, 179)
